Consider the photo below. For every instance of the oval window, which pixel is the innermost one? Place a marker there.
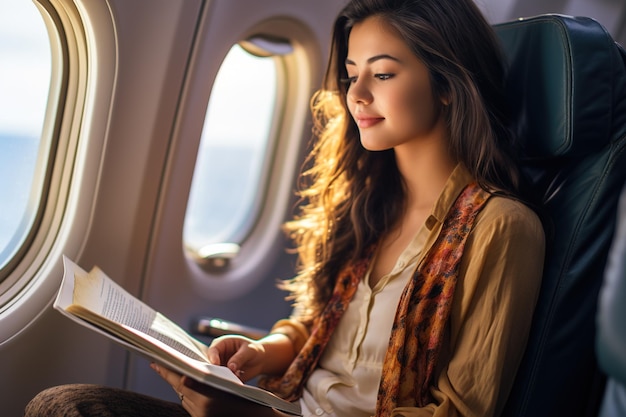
(232, 163)
(25, 74)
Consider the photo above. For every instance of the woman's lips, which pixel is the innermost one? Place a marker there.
(364, 122)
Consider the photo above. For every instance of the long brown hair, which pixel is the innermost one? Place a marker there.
(350, 196)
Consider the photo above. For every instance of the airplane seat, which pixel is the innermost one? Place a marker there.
(567, 91)
(567, 88)
(611, 335)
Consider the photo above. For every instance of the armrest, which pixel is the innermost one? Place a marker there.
(215, 327)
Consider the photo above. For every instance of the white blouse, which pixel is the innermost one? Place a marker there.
(346, 380)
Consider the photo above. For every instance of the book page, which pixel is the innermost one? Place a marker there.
(97, 302)
(98, 293)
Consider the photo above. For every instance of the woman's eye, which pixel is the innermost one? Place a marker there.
(383, 77)
(380, 76)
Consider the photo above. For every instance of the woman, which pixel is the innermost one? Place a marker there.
(419, 262)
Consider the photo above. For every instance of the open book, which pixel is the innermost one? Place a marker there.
(95, 301)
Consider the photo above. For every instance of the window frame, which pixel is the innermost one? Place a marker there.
(48, 140)
(81, 37)
(266, 241)
(245, 228)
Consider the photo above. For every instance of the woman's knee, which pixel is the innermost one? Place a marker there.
(85, 400)
(56, 401)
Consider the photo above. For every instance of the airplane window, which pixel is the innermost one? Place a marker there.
(230, 170)
(25, 69)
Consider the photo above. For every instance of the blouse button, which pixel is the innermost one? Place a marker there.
(319, 411)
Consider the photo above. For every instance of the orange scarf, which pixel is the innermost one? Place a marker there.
(418, 328)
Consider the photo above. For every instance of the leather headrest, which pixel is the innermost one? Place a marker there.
(565, 81)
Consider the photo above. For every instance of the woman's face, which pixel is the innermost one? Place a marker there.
(389, 89)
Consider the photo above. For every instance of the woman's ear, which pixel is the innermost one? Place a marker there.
(445, 100)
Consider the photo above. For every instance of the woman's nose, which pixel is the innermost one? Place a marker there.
(359, 92)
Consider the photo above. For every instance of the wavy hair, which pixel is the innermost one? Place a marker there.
(350, 196)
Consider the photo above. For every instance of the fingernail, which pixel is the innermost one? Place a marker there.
(154, 366)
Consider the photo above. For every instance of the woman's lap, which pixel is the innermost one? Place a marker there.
(88, 400)
(84, 400)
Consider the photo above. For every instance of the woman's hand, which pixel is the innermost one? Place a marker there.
(247, 358)
(244, 356)
(201, 400)
(196, 400)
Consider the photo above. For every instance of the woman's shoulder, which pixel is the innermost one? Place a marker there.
(498, 202)
(502, 211)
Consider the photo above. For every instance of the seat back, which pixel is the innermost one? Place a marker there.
(567, 89)
(611, 321)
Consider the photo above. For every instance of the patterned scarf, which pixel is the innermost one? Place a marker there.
(418, 328)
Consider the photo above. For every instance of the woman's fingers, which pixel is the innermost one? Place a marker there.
(222, 348)
(196, 403)
(240, 354)
(245, 358)
(173, 378)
